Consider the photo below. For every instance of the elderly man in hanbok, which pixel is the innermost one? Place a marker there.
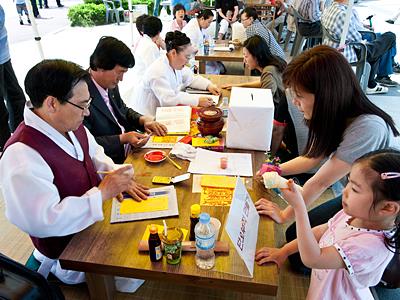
(48, 170)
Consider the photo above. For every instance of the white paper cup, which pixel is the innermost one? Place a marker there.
(217, 225)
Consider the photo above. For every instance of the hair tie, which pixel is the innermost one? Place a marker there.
(390, 175)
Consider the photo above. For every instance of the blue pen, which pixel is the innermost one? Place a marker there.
(153, 194)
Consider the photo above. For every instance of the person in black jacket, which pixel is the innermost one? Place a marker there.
(115, 126)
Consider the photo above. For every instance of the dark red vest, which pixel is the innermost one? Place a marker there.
(71, 176)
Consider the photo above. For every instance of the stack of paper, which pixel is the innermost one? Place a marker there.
(217, 190)
(175, 118)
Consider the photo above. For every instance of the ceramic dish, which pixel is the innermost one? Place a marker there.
(155, 156)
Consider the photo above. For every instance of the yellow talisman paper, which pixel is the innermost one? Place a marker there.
(218, 181)
(200, 142)
(165, 139)
(130, 206)
(212, 196)
(217, 190)
(160, 229)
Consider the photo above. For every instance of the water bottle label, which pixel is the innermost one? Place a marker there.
(205, 243)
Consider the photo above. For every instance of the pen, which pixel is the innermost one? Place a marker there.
(174, 163)
(104, 172)
(159, 193)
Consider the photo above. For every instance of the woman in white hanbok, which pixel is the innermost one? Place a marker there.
(196, 30)
(164, 82)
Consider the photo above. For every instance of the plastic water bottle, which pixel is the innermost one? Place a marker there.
(205, 243)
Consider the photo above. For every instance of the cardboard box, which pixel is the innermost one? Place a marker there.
(250, 119)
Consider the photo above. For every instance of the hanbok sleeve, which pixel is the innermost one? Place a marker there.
(33, 202)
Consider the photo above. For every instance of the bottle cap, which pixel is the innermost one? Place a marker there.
(204, 218)
(153, 229)
(195, 209)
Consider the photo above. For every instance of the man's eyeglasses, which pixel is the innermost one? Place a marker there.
(89, 101)
(242, 20)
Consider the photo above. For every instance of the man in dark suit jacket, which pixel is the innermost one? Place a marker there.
(114, 125)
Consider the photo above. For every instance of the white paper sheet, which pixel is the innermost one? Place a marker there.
(208, 162)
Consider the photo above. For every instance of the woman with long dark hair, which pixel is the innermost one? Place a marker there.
(256, 56)
(343, 126)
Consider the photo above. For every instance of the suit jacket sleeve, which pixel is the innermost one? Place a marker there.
(129, 117)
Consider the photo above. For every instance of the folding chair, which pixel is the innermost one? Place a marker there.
(112, 10)
(299, 38)
(362, 67)
(19, 282)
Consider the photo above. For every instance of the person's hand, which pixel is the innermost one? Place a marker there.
(133, 138)
(155, 127)
(213, 89)
(138, 191)
(293, 194)
(275, 255)
(205, 102)
(227, 86)
(234, 19)
(116, 182)
(270, 209)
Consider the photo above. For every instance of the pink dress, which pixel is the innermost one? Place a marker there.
(365, 255)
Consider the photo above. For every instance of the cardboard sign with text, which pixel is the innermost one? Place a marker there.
(242, 225)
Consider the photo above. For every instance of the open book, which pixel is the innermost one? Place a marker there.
(175, 118)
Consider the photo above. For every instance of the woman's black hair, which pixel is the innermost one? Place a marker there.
(53, 77)
(325, 72)
(139, 23)
(259, 49)
(152, 26)
(377, 163)
(178, 7)
(205, 14)
(176, 40)
(250, 12)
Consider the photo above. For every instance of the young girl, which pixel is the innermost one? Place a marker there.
(350, 252)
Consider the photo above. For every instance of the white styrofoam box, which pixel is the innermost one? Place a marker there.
(250, 119)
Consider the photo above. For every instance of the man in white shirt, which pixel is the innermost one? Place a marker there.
(48, 170)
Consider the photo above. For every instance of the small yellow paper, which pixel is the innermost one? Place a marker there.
(218, 181)
(200, 142)
(160, 229)
(165, 139)
(130, 206)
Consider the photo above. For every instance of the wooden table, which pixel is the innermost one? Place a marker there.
(234, 56)
(105, 250)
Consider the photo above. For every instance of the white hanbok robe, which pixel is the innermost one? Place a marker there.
(197, 37)
(163, 86)
(32, 200)
(146, 52)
